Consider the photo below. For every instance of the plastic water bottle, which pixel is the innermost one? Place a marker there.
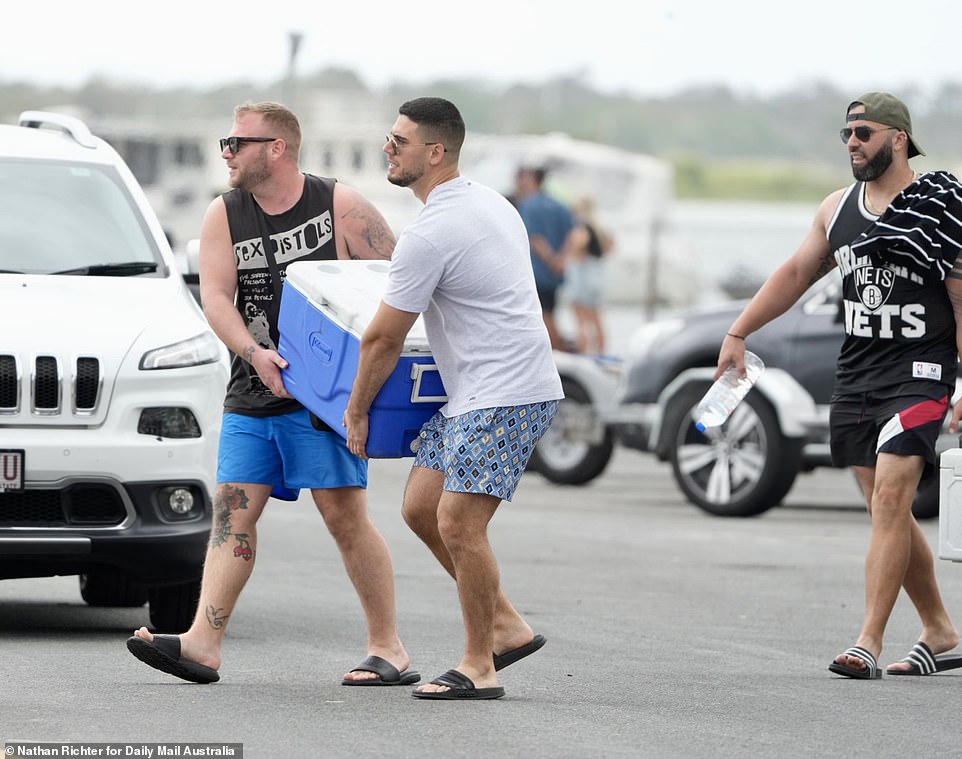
(727, 392)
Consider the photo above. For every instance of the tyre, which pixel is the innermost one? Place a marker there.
(740, 469)
(566, 454)
(172, 607)
(110, 587)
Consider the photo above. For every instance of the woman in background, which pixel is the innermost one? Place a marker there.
(584, 276)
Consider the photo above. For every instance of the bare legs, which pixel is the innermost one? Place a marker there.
(227, 568)
(898, 557)
(454, 527)
(368, 563)
(591, 331)
(230, 562)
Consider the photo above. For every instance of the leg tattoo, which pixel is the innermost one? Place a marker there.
(216, 617)
(226, 500)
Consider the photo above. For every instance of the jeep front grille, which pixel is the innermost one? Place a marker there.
(50, 385)
(9, 384)
(90, 505)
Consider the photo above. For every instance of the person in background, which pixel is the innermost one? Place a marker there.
(584, 275)
(274, 215)
(464, 263)
(896, 236)
(548, 222)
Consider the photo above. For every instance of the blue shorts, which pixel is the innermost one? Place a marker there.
(286, 450)
(484, 451)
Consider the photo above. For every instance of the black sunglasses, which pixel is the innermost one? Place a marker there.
(862, 133)
(233, 144)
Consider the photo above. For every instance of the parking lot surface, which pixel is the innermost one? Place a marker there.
(671, 633)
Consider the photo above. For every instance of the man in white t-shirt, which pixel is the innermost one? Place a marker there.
(464, 264)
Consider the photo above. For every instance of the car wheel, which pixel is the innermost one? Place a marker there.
(926, 502)
(110, 587)
(740, 469)
(172, 607)
(567, 454)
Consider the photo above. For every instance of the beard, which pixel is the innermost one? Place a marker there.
(252, 175)
(405, 178)
(876, 166)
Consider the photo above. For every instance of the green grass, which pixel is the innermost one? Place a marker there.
(761, 180)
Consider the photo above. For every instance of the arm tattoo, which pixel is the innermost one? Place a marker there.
(226, 500)
(377, 235)
(824, 267)
(249, 352)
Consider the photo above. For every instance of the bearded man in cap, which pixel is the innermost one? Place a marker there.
(895, 236)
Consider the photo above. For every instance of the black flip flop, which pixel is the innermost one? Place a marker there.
(163, 653)
(869, 672)
(387, 672)
(515, 654)
(459, 688)
(924, 662)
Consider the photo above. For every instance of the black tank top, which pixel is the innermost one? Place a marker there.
(899, 326)
(303, 233)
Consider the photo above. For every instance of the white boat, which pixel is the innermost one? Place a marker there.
(181, 170)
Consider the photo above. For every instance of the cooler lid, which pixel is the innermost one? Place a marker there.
(350, 291)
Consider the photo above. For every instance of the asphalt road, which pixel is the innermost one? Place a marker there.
(670, 634)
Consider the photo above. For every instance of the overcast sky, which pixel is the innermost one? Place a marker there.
(648, 47)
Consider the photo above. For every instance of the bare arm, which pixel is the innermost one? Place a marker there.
(381, 346)
(811, 261)
(218, 290)
(360, 229)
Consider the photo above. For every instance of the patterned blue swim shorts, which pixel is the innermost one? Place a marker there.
(483, 451)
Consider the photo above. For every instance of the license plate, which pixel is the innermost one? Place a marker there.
(11, 470)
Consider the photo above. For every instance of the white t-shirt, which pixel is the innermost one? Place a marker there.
(465, 264)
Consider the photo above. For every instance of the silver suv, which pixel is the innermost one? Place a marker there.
(110, 380)
(646, 403)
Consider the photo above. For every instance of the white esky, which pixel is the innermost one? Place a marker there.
(651, 47)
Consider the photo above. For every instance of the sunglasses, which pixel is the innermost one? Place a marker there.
(233, 144)
(396, 145)
(862, 133)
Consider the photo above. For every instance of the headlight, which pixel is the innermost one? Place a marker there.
(202, 349)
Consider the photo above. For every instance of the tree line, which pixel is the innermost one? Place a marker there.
(722, 143)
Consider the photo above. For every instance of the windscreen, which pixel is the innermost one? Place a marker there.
(67, 218)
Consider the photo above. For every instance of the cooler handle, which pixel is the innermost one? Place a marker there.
(417, 372)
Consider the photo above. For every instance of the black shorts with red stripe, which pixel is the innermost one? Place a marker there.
(862, 425)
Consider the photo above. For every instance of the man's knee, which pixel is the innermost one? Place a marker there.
(420, 515)
(239, 504)
(344, 510)
(421, 494)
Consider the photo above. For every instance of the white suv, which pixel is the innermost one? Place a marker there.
(110, 380)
